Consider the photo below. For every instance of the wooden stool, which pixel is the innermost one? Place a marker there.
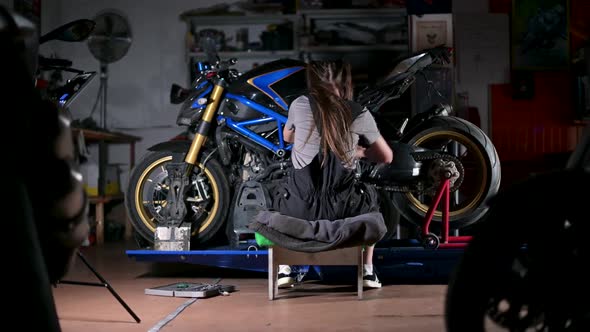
(344, 256)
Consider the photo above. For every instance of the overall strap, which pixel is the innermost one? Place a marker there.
(317, 120)
(356, 109)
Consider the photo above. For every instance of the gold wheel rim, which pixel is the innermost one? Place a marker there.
(147, 221)
(463, 140)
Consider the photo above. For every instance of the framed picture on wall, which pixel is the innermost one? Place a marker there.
(539, 36)
(431, 30)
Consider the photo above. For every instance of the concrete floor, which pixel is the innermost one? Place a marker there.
(311, 306)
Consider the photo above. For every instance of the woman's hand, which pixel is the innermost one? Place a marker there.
(288, 135)
(360, 152)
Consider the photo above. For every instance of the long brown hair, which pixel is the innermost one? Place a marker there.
(329, 85)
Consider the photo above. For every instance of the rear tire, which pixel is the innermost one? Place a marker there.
(481, 171)
(146, 194)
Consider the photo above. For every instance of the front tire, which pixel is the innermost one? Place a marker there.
(207, 200)
(481, 174)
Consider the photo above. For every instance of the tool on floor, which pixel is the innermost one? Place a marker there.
(189, 289)
(103, 283)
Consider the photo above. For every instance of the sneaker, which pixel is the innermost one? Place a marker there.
(371, 281)
(285, 280)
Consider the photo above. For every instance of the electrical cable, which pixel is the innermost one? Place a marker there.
(171, 316)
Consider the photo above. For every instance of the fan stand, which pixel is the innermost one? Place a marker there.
(102, 283)
(102, 146)
(103, 91)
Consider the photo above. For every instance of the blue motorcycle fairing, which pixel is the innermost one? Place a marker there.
(206, 92)
(264, 83)
(72, 88)
(191, 111)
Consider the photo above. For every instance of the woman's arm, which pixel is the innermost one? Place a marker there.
(378, 152)
(288, 134)
(372, 145)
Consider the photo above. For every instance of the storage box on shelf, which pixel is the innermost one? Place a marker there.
(103, 139)
(264, 37)
(369, 39)
(354, 30)
(360, 36)
(308, 34)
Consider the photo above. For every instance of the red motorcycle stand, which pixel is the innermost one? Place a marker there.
(431, 240)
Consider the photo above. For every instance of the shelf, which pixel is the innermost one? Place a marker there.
(106, 136)
(355, 48)
(249, 54)
(353, 13)
(390, 22)
(238, 19)
(105, 198)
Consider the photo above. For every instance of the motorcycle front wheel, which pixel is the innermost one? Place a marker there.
(207, 200)
(480, 171)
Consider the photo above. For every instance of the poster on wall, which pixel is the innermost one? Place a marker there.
(540, 38)
(431, 30)
(428, 31)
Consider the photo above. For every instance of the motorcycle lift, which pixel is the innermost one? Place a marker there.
(406, 260)
(431, 240)
(430, 258)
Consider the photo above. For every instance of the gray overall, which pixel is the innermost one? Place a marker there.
(321, 208)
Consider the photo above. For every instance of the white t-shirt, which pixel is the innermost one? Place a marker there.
(301, 119)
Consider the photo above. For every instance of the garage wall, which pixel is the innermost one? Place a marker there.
(482, 48)
(139, 83)
(482, 44)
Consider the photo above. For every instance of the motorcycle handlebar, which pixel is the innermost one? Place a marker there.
(54, 62)
(441, 54)
(224, 65)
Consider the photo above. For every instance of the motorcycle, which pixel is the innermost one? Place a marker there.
(64, 94)
(534, 278)
(235, 151)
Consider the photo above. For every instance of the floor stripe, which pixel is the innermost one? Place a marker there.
(171, 316)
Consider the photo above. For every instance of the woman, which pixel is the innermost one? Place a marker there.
(325, 127)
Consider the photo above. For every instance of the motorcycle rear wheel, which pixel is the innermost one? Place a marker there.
(481, 176)
(207, 205)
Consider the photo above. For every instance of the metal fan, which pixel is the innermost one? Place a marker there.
(109, 42)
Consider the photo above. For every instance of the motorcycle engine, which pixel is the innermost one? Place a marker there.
(252, 166)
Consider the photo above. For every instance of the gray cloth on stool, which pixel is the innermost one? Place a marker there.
(319, 235)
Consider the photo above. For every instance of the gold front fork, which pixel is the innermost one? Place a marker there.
(203, 130)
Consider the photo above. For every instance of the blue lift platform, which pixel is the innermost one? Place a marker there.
(432, 259)
(398, 260)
